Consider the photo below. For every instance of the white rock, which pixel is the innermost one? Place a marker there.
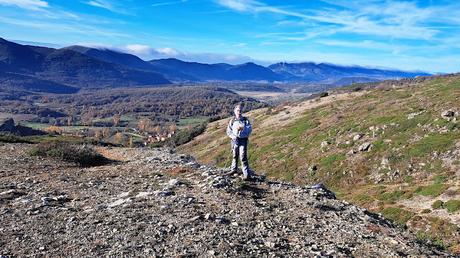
(143, 194)
(119, 202)
(357, 137)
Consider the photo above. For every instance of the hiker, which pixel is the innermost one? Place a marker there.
(238, 129)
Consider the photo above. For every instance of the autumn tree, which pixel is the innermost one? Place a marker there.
(172, 127)
(157, 129)
(130, 142)
(106, 132)
(119, 138)
(53, 129)
(116, 119)
(98, 134)
(144, 124)
(88, 117)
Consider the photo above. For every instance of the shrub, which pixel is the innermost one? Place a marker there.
(438, 204)
(424, 211)
(398, 215)
(452, 205)
(323, 94)
(391, 197)
(408, 179)
(83, 155)
(363, 199)
(439, 179)
(428, 238)
(184, 136)
(431, 190)
(10, 138)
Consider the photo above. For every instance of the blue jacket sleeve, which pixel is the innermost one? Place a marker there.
(246, 130)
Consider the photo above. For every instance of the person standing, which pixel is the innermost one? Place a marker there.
(239, 128)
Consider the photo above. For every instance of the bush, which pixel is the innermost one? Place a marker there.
(10, 138)
(439, 179)
(398, 215)
(438, 204)
(83, 155)
(184, 136)
(452, 205)
(391, 197)
(431, 190)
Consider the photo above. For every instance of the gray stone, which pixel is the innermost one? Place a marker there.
(358, 136)
(365, 146)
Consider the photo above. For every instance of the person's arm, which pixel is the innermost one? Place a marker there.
(229, 130)
(247, 129)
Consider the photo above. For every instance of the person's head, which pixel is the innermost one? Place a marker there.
(238, 110)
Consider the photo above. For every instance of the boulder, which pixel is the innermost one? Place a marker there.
(449, 115)
(358, 137)
(365, 146)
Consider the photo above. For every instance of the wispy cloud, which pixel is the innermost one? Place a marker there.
(388, 19)
(147, 52)
(102, 4)
(108, 5)
(168, 3)
(26, 4)
(239, 5)
(63, 27)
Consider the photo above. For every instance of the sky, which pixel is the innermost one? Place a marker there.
(421, 35)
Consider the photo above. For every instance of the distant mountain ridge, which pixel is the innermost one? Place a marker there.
(329, 73)
(68, 68)
(86, 67)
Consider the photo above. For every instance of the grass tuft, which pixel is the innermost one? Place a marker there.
(438, 204)
(452, 205)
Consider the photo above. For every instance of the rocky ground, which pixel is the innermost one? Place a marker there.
(159, 204)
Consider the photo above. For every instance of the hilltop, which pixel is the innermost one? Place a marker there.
(161, 204)
(392, 147)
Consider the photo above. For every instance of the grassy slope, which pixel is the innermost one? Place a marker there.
(411, 164)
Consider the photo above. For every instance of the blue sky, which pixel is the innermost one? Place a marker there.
(408, 35)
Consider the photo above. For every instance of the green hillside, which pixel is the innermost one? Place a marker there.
(392, 149)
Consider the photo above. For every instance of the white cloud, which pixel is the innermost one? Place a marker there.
(403, 20)
(239, 5)
(168, 51)
(148, 53)
(63, 27)
(137, 49)
(34, 5)
(240, 45)
(102, 4)
(168, 3)
(110, 5)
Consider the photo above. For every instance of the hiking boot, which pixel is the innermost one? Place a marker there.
(232, 172)
(247, 177)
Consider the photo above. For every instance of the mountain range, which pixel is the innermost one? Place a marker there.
(67, 69)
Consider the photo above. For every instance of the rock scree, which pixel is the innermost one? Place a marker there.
(156, 203)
